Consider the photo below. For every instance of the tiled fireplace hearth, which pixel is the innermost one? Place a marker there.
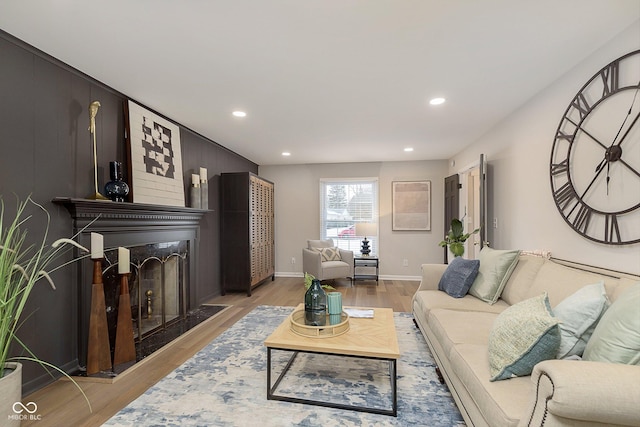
(163, 243)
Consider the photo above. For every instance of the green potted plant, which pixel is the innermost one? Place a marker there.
(456, 237)
(22, 266)
(308, 279)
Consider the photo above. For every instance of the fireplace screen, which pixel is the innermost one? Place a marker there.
(157, 285)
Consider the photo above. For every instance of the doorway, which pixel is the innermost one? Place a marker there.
(472, 220)
(473, 206)
(451, 205)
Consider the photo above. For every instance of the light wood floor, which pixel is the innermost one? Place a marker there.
(62, 404)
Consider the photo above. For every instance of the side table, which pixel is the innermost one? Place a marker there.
(365, 261)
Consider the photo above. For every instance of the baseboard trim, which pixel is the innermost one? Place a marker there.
(385, 277)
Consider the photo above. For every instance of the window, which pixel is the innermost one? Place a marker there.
(345, 203)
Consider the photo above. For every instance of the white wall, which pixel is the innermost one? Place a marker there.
(518, 152)
(297, 218)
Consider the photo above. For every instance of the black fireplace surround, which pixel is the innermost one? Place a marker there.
(162, 231)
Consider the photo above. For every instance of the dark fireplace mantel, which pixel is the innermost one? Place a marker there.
(83, 211)
(128, 225)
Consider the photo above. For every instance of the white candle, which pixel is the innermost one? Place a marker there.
(203, 174)
(195, 180)
(123, 260)
(97, 246)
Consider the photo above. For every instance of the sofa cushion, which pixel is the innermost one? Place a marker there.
(329, 254)
(521, 278)
(336, 268)
(495, 268)
(523, 335)
(559, 281)
(616, 338)
(428, 300)
(579, 313)
(453, 327)
(459, 276)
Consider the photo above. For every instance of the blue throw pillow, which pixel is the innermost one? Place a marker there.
(459, 276)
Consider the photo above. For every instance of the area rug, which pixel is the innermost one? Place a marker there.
(225, 384)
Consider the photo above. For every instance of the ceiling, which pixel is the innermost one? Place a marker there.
(326, 80)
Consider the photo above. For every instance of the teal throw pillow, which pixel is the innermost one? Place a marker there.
(616, 338)
(459, 276)
(522, 335)
(495, 268)
(579, 314)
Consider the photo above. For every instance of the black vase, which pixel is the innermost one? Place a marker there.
(315, 305)
(116, 189)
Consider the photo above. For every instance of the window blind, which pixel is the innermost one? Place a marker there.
(343, 204)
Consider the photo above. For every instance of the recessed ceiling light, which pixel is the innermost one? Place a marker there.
(239, 113)
(408, 149)
(437, 101)
(286, 153)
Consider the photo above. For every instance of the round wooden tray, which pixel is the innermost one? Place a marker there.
(298, 327)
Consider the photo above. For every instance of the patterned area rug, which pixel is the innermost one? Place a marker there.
(225, 384)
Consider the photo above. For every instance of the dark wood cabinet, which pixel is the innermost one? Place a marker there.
(247, 231)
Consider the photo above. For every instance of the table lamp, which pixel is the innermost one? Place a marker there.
(366, 229)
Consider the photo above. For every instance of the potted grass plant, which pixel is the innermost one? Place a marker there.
(22, 267)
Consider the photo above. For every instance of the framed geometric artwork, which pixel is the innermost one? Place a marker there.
(156, 159)
(411, 205)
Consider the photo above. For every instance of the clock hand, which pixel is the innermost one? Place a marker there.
(608, 177)
(629, 167)
(612, 155)
(623, 122)
(629, 129)
(608, 153)
(585, 191)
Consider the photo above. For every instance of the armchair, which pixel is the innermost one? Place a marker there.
(329, 266)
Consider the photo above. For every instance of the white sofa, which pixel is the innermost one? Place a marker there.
(558, 392)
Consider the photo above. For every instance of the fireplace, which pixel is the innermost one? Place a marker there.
(158, 286)
(163, 243)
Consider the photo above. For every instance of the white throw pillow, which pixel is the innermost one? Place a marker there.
(579, 314)
(329, 254)
(616, 338)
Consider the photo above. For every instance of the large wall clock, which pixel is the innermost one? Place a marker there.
(595, 160)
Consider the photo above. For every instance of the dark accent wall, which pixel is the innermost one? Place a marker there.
(46, 151)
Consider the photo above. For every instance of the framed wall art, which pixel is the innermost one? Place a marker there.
(411, 205)
(155, 158)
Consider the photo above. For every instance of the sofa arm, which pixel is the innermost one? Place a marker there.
(431, 274)
(570, 391)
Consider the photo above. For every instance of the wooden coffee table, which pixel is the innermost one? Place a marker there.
(367, 339)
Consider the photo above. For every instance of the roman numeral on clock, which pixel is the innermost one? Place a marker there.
(611, 227)
(566, 136)
(581, 104)
(560, 168)
(582, 219)
(610, 80)
(564, 195)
